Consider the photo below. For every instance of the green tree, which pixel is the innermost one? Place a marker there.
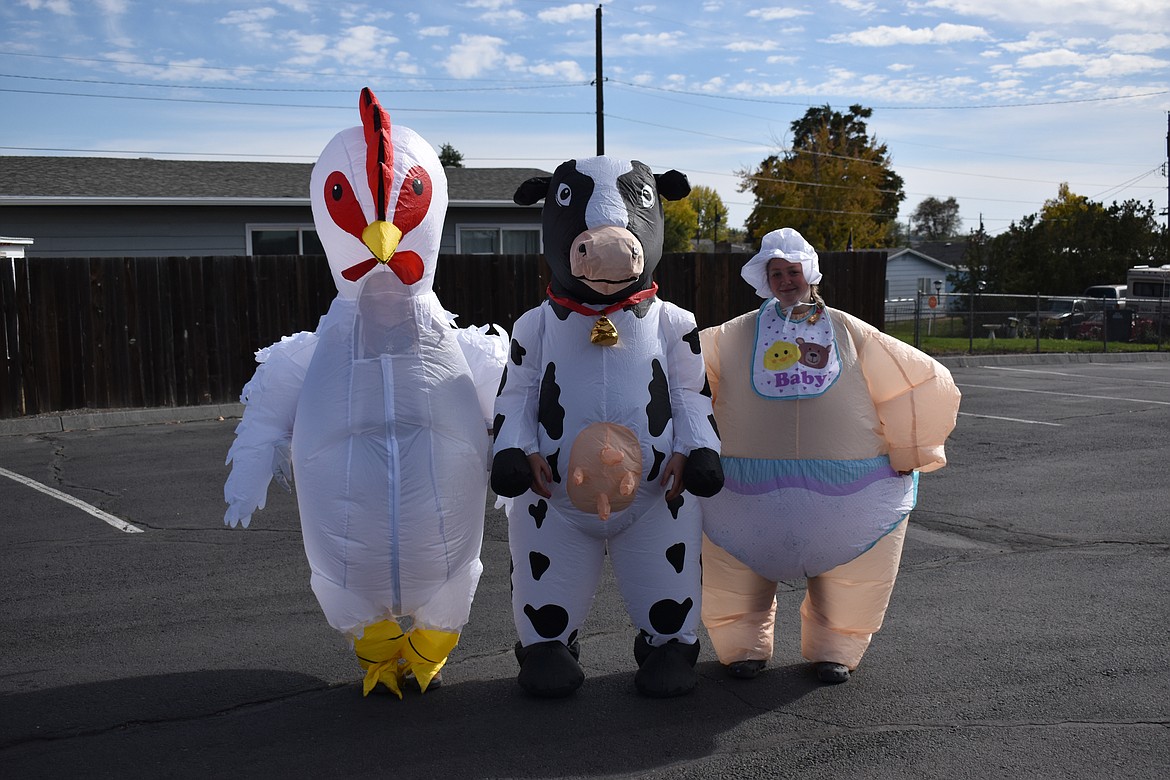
(935, 219)
(450, 157)
(835, 181)
(679, 226)
(1074, 243)
(712, 214)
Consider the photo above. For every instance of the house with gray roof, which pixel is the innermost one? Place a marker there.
(144, 207)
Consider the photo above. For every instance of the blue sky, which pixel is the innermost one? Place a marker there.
(993, 102)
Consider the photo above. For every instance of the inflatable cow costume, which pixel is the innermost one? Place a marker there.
(388, 434)
(602, 418)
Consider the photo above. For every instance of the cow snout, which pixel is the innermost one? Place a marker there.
(607, 259)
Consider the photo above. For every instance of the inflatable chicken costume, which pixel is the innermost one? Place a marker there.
(379, 407)
(602, 400)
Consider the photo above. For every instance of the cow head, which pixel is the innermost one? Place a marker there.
(602, 222)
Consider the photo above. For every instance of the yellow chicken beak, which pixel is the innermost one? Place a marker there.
(382, 239)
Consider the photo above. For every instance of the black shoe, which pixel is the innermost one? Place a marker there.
(549, 669)
(667, 670)
(830, 672)
(745, 670)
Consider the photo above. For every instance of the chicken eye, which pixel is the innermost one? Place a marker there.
(338, 192)
(647, 196)
(418, 186)
(564, 195)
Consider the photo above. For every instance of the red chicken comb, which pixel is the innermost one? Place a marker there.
(379, 150)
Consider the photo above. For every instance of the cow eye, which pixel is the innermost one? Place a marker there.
(647, 196)
(564, 195)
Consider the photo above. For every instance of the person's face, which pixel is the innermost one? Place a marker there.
(787, 283)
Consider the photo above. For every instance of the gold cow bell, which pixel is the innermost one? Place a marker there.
(604, 334)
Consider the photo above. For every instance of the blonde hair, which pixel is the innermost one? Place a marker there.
(814, 291)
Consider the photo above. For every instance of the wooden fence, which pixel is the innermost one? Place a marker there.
(105, 333)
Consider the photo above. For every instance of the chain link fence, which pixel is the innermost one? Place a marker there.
(990, 322)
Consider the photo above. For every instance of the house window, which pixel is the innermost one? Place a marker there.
(494, 240)
(283, 240)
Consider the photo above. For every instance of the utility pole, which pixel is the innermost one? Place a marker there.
(597, 82)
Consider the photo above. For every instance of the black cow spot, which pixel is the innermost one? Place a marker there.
(706, 387)
(714, 427)
(562, 312)
(538, 512)
(658, 458)
(676, 556)
(667, 616)
(497, 424)
(658, 410)
(539, 564)
(674, 505)
(692, 338)
(552, 464)
(551, 620)
(504, 381)
(518, 353)
(550, 413)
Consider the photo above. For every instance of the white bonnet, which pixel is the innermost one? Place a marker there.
(785, 243)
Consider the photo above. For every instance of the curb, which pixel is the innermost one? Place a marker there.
(121, 418)
(117, 418)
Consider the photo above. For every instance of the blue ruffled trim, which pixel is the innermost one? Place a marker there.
(756, 476)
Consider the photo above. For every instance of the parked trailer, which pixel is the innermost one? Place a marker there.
(1148, 283)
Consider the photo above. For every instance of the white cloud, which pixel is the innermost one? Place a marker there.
(1114, 14)
(1122, 65)
(773, 14)
(1139, 43)
(492, 5)
(300, 6)
(435, 32)
(1055, 58)
(362, 45)
(567, 13)
(649, 41)
(59, 7)
(906, 36)
(250, 23)
(752, 46)
(1041, 39)
(473, 55)
(115, 7)
(510, 16)
(862, 7)
(566, 70)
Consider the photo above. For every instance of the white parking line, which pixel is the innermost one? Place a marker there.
(1008, 419)
(1070, 395)
(1077, 376)
(121, 525)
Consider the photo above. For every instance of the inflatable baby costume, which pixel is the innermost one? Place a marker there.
(825, 422)
(601, 419)
(388, 434)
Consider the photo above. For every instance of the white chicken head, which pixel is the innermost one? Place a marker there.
(379, 198)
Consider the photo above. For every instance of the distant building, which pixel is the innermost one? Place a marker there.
(118, 207)
(913, 269)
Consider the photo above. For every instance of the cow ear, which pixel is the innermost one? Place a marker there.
(673, 185)
(531, 191)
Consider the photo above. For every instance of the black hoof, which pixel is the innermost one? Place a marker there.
(549, 670)
(831, 673)
(666, 671)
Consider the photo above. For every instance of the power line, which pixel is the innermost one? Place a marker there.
(253, 104)
(298, 90)
(741, 98)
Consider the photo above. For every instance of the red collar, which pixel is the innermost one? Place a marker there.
(581, 308)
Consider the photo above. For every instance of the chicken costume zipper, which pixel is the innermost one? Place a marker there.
(388, 436)
(602, 398)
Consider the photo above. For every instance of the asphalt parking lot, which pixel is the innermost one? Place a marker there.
(1027, 637)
